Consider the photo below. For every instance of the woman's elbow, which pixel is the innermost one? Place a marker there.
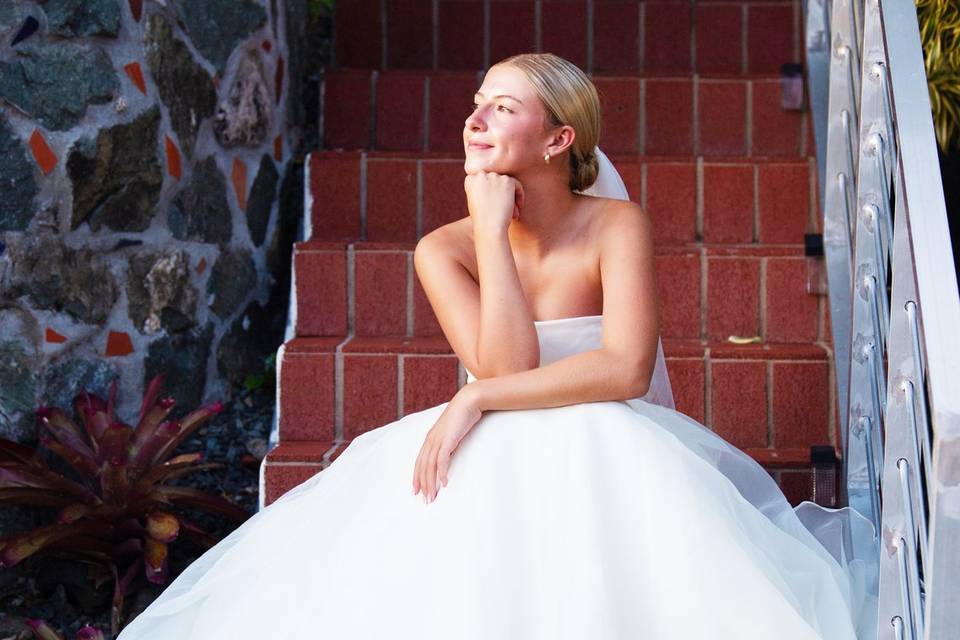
(640, 380)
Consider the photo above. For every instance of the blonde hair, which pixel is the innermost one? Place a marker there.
(570, 98)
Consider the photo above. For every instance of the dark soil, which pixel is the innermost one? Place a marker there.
(61, 593)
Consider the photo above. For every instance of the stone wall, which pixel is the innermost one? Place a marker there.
(143, 150)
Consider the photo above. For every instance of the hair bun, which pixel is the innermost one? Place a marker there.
(583, 170)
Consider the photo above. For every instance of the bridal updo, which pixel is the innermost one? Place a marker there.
(570, 99)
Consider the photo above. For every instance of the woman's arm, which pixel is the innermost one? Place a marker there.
(506, 337)
(620, 368)
(623, 366)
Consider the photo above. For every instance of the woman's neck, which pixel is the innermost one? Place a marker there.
(545, 216)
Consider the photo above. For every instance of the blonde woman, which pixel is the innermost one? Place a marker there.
(558, 494)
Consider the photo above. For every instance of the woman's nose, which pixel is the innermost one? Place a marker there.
(474, 121)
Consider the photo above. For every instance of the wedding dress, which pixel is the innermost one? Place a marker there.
(599, 520)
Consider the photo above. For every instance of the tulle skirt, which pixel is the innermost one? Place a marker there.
(602, 520)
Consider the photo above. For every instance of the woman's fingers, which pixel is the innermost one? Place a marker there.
(418, 468)
(431, 469)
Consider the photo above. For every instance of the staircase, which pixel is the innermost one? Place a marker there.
(694, 122)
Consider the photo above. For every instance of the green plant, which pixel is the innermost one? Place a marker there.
(257, 380)
(116, 515)
(939, 22)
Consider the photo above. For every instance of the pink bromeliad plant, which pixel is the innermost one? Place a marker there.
(117, 514)
(43, 631)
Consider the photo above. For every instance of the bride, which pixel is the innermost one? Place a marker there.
(558, 494)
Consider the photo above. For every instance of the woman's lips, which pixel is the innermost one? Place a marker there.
(479, 147)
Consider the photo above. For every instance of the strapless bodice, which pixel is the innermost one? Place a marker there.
(564, 337)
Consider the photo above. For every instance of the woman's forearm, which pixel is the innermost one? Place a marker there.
(507, 339)
(588, 376)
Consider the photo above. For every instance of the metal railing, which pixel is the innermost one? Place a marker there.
(894, 305)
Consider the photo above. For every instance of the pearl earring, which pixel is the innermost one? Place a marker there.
(546, 158)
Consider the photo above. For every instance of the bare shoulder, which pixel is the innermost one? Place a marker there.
(452, 240)
(623, 218)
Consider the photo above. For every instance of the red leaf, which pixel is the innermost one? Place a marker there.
(196, 498)
(155, 561)
(163, 526)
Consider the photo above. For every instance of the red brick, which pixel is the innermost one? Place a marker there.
(733, 297)
(563, 30)
(800, 401)
(444, 199)
(669, 117)
(630, 173)
(775, 132)
(450, 99)
(424, 319)
(678, 281)
(620, 103)
(791, 311)
(335, 190)
(722, 114)
(784, 197)
(409, 34)
(672, 201)
(728, 203)
(666, 40)
(687, 381)
(797, 486)
(770, 33)
(369, 392)
(381, 293)
(719, 38)
(738, 396)
(400, 111)
(460, 34)
(321, 292)
(616, 35)
(357, 25)
(346, 109)
(408, 345)
(511, 29)
(392, 200)
(280, 478)
(428, 381)
(307, 387)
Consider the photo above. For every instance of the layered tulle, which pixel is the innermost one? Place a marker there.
(594, 520)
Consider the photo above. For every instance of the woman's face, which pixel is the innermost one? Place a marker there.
(505, 131)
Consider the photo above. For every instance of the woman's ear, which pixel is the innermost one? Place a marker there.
(561, 140)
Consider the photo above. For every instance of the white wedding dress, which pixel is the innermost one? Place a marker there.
(598, 520)
(601, 520)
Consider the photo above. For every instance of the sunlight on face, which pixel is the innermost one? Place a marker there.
(505, 131)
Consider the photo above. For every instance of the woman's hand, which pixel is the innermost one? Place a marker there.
(493, 199)
(433, 463)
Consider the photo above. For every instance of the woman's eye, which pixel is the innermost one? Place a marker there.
(504, 108)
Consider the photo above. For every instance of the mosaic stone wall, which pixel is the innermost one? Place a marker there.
(143, 150)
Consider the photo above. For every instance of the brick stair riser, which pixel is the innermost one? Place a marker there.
(600, 37)
(705, 293)
(369, 196)
(674, 115)
(748, 396)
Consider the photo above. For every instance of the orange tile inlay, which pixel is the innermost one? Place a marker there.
(173, 158)
(53, 336)
(278, 79)
(278, 148)
(135, 73)
(239, 176)
(267, 45)
(41, 152)
(201, 266)
(136, 8)
(119, 344)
